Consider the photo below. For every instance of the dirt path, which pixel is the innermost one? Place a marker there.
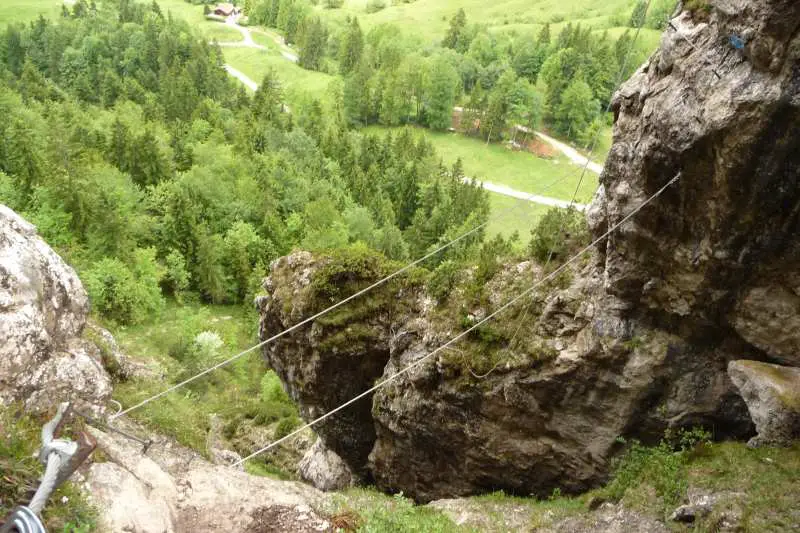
(571, 153)
(242, 77)
(534, 198)
(248, 42)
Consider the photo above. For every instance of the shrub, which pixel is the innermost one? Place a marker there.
(559, 232)
(373, 6)
(123, 294)
(285, 426)
(176, 278)
(272, 389)
(334, 4)
(443, 280)
(664, 467)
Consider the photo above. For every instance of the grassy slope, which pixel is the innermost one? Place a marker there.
(243, 390)
(429, 18)
(24, 10)
(296, 81)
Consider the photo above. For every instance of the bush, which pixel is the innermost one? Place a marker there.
(272, 389)
(373, 6)
(176, 278)
(285, 426)
(126, 295)
(443, 280)
(334, 4)
(559, 232)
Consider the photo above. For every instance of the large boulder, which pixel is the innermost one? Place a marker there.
(639, 341)
(772, 394)
(173, 490)
(43, 308)
(324, 469)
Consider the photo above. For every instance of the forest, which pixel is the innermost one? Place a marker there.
(158, 177)
(564, 80)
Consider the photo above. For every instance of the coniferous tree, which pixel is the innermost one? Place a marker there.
(457, 33)
(358, 95)
(352, 47)
(313, 47)
(267, 101)
(639, 14)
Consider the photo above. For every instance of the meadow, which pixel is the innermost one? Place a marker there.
(429, 19)
(23, 10)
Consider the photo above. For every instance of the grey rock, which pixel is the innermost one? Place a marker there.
(43, 309)
(324, 469)
(161, 492)
(768, 317)
(724, 509)
(772, 395)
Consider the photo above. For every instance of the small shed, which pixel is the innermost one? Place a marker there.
(226, 10)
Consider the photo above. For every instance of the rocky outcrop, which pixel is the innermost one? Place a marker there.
(173, 490)
(772, 394)
(324, 469)
(43, 308)
(639, 341)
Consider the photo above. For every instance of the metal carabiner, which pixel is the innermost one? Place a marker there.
(61, 458)
(23, 520)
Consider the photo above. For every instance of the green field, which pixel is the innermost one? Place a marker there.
(429, 18)
(511, 214)
(219, 31)
(519, 170)
(297, 82)
(24, 10)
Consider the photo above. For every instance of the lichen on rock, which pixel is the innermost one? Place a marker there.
(43, 310)
(772, 394)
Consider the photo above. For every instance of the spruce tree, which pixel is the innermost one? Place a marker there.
(313, 47)
(352, 48)
(456, 34)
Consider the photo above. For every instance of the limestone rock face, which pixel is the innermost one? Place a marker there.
(324, 469)
(173, 490)
(639, 341)
(43, 309)
(772, 394)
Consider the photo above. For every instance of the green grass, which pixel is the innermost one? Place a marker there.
(511, 214)
(221, 32)
(521, 171)
(297, 82)
(25, 10)
(245, 390)
(429, 19)
(760, 485)
(369, 511)
(193, 14)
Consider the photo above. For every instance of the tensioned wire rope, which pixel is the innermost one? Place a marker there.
(463, 334)
(353, 296)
